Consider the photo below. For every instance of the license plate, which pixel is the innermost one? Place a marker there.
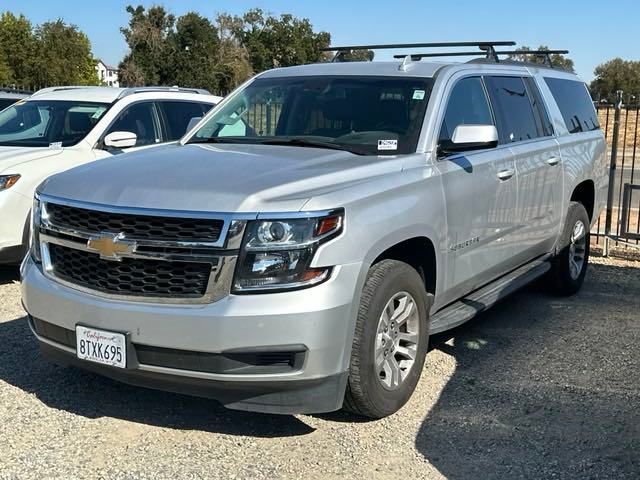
(107, 348)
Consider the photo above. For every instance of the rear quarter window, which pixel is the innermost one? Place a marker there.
(178, 115)
(575, 104)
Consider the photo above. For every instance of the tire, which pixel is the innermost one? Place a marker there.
(569, 264)
(376, 391)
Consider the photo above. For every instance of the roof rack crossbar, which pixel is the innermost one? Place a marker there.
(390, 46)
(418, 56)
(488, 46)
(546, 54)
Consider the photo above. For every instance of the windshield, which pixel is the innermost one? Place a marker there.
(40, 123)
(364, 115)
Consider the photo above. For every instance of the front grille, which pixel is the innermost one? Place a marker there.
(131, 276)
(135, 226)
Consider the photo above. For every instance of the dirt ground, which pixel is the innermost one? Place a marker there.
(538, 387)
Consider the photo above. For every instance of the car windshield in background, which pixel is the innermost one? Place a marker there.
(40, 123)
(364, 115)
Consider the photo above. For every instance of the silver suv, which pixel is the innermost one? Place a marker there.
(296, 249)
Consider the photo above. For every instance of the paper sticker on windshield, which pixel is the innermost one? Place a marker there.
(387, 144)
(55, 145)
(418, 94)
(98, 113)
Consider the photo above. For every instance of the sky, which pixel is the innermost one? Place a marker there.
(593, 31)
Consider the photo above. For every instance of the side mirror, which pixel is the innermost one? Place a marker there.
(192, 123)
(471, 137)
(120, 140)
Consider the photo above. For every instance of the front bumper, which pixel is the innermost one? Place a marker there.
(14, 212)
(320, 319)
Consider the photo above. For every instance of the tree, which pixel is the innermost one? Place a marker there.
(279, 41)
(232, 62)
(557, 60)
(53, 53)
(191, 53)
(614, 75)
(63, 56)
(357, 56)
(6, 74)
(18, 46)
(146, 37)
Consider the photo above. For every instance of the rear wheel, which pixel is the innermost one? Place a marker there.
(569, 265)
(390, 342)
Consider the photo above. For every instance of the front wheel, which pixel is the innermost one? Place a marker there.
(390, 342)
(569, 265)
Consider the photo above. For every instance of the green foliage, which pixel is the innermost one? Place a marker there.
(63, 56)
(279, 41)
(557, 60)
(191, 52)
(146, 37)
(232, 59)
(18, 46)
(218, 55)
(357, 56)
(614, 75)
(6, 74)
(53, 53)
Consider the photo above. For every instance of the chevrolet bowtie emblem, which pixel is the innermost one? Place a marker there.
(111, 246)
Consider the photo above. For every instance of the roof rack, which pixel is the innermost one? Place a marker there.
(132, 90)
(545, 54)
(488, 47)
(20, 91)
(58, 89)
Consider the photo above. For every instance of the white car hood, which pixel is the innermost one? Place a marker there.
(218, 178)
(11, 157)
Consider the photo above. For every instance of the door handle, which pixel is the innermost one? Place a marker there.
(553, 161)
(506, 174)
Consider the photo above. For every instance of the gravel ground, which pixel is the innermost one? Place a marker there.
(538, 387)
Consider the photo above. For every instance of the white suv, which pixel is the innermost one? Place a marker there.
(62, 127)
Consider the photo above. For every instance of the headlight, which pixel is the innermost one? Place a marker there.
(36, 217)
(276, 254)
(8, 181)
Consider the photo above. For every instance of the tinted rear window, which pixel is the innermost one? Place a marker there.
(179, 114)
(514, 111)
(575, 104)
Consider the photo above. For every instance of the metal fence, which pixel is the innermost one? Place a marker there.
(619, 224)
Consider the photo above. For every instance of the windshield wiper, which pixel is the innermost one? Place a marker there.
(224, 140)
(293, 142)
(303, 142)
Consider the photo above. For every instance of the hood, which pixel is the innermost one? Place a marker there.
(11, 157)
(218, 178)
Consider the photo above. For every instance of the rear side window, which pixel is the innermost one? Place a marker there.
(513, 108)
(575, 104)
(468, 105)
(177, 116)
